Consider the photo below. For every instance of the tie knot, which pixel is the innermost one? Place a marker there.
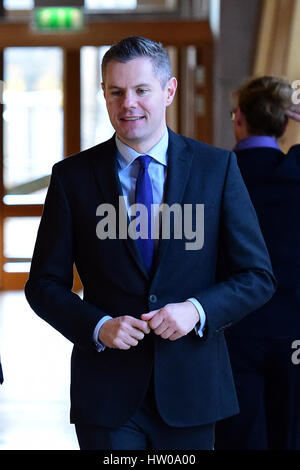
(144, 160)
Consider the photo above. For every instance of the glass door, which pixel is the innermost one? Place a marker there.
(32, 143)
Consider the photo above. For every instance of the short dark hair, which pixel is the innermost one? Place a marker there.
(135, 47)
(264, 102)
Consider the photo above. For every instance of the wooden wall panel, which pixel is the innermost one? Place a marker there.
(169, 32)
(71, 101)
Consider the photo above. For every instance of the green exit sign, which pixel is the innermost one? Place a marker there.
(58, 18)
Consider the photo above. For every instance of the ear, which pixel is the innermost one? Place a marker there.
(171, 90)
(239, 117)
(103, 89)
(240, 126)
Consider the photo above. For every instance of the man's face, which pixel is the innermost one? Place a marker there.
(136, 102)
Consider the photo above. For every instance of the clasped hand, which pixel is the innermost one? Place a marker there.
(169, 322)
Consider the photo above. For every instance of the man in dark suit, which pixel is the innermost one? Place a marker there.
(261, 345)
(149, 366)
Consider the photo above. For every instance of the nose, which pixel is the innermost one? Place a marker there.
(129, 100)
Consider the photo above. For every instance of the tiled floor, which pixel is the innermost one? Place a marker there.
(34, 398)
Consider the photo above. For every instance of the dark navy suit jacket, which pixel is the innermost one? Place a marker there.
(273, 182)
(230, 276)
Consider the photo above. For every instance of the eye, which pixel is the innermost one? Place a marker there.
(141, 91)
(116, 93)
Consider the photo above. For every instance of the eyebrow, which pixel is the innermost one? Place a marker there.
(136, 86)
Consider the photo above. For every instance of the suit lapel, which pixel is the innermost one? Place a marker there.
(104, 163)
(179, 164)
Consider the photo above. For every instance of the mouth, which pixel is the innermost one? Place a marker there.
(132, 118)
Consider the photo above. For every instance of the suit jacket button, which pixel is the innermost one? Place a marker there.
(153, 298)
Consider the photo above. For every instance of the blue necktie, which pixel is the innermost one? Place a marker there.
(143, 195)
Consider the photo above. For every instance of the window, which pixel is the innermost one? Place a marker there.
(95, 123)
(33, 121)
(18, 4)
(32, 143)
(19, 238)
(110, 4)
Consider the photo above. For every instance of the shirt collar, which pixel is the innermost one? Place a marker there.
(257, 141)
(126, 155)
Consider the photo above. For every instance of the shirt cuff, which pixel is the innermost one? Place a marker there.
(199, 329)
(97, 343)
